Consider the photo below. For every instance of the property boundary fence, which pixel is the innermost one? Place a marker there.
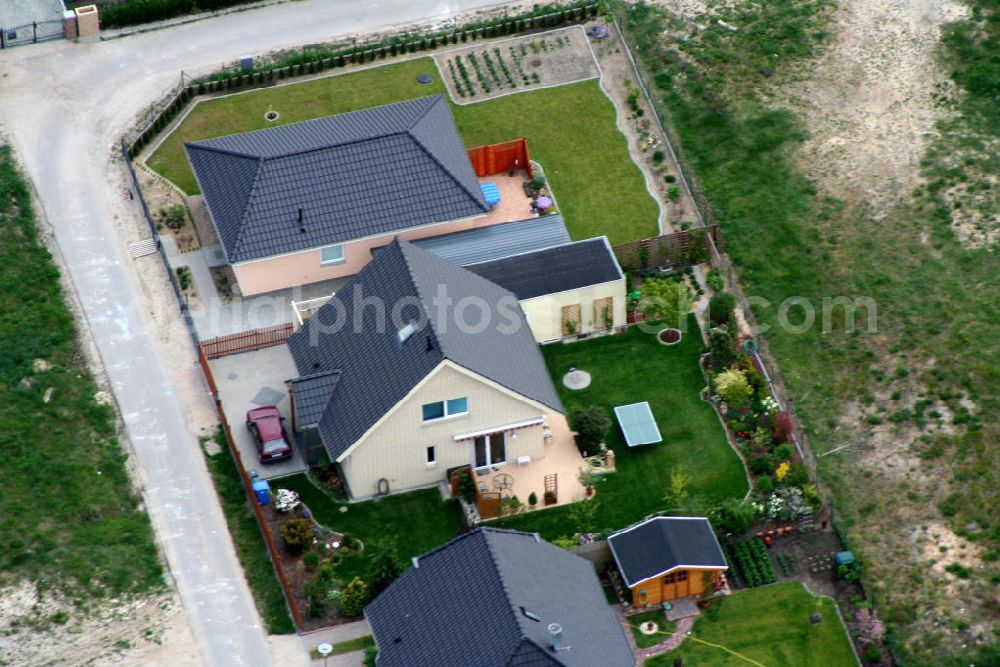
(247, 341)
(498, 158)
(31, 33)
(234, 77)
(265, 531)
(683, 248)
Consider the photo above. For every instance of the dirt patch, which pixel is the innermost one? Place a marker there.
(493, 69)
(202, 220)
(47, 630)
(170, 213)
(869, 102)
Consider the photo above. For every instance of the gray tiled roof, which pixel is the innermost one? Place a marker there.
(358, 174)
(462, 606)
(662, 543)
(377, 371)
(553, 270)
(483, 244)
(310, 394)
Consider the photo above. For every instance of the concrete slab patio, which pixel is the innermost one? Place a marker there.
(250, 380)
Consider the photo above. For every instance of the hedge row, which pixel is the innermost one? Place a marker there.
(121, 13)
(232, 80)
(754, 562)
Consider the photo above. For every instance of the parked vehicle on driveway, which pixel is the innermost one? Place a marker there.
(268, 432)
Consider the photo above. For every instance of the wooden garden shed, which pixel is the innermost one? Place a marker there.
(666, 558)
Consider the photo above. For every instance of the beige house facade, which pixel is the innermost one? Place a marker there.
(496, 427)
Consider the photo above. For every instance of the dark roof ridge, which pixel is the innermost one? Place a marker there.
(222, 151)
(326, 147)
(446, 171)
(246, 211)
(310, 376)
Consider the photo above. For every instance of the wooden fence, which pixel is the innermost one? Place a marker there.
(498, 158)
(247, 341)
(272, 549)
(680, 249)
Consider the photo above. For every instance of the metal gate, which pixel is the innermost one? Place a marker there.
(30, 33)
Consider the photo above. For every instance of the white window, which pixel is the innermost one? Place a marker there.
(442, 409)
(431, 456)
(489, 450)
(331, 254)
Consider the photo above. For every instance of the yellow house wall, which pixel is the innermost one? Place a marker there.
(545, 312)
(396, 449)
(303, 268)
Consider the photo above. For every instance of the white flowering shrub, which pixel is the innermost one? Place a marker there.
(285, 500)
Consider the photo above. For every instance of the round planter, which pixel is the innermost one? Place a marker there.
(271, 116)
(649, 628)
(669, 336)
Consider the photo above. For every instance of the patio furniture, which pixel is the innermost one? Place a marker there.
(491, 193)
(637, 424)
(543, 204)
(503, 482)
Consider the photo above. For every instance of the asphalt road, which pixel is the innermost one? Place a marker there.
(63, 106)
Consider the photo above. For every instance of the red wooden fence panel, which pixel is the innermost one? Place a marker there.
(498, 158)
(247, 341)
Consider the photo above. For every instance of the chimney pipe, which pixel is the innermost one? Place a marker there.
(555, 630)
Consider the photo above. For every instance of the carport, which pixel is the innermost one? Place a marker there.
(250, 380)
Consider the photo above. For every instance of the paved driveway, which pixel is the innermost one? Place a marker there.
(250, 380)
(64, 108)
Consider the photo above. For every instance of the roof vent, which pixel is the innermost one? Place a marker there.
(430, 344)
(555, 631)
(302, 227)
(416, 562)
(408, 330)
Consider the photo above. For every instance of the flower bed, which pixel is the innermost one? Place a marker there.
(753, 562)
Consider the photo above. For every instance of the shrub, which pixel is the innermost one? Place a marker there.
(674, 193)
(733, 387)
(385, 566)
(665, 301)
(297, 534)
(319, 590)
(798, 474)
(721, 347)
(720, 308)
(670, 178)
(658, 156)
(760, 465)
(354, 597)
(765, 484)
(733, 516)
(532, 498)
(715, 280)
(783, 452)
(782, 427)
(591, 424)
(311, 560)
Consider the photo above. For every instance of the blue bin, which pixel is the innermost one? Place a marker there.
(263, 491)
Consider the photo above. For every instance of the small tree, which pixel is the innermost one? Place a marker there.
(354, 598)
(665, 301)
(297, 534)
(385, 567)
(532, 498)
(591, 424)
(583, 515)
(734, 516)
(720, 308)
(733, 387)
(721, 347)
(677, 488)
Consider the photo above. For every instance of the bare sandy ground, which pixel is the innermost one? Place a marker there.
(869, 101)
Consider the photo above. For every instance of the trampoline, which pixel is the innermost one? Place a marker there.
(637, 424)
(491, 193)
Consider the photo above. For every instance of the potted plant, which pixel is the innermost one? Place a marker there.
(532, 499)
(550, 498)
(588, 479)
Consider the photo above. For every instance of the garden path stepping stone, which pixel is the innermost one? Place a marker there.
(576, 379)
(267, 396)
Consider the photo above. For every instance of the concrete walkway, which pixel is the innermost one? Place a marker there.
(64, 109)
(333, 636)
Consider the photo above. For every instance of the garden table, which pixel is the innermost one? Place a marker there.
(637, 424)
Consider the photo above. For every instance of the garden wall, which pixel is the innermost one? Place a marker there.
(498, 158)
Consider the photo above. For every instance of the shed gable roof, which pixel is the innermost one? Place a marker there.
(663, 543)
(352, 175)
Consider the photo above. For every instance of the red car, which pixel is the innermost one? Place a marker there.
(268, 433)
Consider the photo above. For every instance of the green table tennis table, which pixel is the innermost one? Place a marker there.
(637, 424)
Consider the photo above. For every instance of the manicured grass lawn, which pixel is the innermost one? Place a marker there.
(417, 521)
(663, 633)
(570, 130)
(770, 625)
(628, 368)
(69, 518)
(248, 541)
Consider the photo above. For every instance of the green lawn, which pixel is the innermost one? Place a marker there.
(418, 521)
(628, 368)
(347, 646)
(769, 625)
(69, 517)
(658, 617)
(248, 541)
(599, 188)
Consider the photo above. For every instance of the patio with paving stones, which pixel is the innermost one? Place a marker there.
(251, 380)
